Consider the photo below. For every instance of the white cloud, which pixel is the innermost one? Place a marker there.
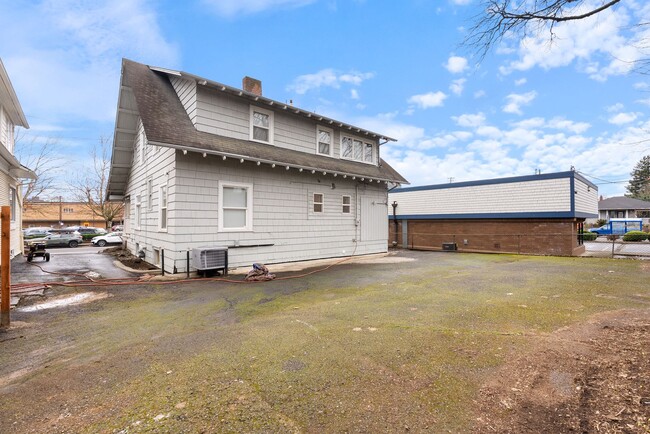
(461, 2)
(623, 118)
(231, 8)
(427, 100)
(354, 94)
(645, 101)
(456, 64)
(457, 86)
(615, 107)
(469, 120)
(479, 94)
(602, 45)
(65, 58)
(327, 78)
(515, 101)
(521, 82)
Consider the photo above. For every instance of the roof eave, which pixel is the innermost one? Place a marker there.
(251, 97)
(274, 163)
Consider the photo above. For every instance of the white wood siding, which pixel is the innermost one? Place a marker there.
(229, 116)
(551, 195)
(6, 130)
(159, 166)
(283, 214)
(186, 91)
(586, 198)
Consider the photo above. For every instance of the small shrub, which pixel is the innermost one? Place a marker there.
(589, 236)
(600, 222)
(635, 236)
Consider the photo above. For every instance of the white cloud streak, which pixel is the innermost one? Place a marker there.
(327, 78)
(233, 8)
(515, 101)
(428, 100)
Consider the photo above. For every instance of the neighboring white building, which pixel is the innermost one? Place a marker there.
(537, 214)
(199, 163)
(11, 171)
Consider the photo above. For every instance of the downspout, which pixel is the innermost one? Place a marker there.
(395, 222)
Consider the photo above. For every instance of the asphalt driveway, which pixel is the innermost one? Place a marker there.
(65, 264)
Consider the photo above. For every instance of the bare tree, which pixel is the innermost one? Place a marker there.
(40, 156)
(504, 17)
(90, 188)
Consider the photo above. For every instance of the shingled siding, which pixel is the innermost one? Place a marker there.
(586, 198)
(283, 217)
(186, 90)
(229, 116)
(159, 166)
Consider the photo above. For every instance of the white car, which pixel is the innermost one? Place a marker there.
(112, 238)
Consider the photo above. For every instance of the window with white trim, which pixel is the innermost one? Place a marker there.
(346, 204)
(150, 194)
(138, 213)
(12, 203)
(319, 200)
(355, 149)
(261, 125)
(143, 141)
(324, 140)
(162, 213)
(235, 207)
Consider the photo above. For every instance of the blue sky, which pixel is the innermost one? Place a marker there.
(393, 67)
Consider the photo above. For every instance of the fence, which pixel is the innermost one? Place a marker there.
(557, 244)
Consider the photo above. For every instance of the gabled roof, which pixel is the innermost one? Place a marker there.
(622, 202)
(9, 100)
(147, 93)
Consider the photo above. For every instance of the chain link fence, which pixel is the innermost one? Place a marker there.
(557, 244)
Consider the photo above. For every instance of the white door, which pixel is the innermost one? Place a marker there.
(374, 219)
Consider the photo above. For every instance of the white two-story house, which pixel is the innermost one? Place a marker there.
(11, 171)
(199, 163)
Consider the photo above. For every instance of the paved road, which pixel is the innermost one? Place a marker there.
(68, 261)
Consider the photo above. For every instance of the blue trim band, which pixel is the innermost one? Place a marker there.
(507, 215)
(573, 195)
(558, 175)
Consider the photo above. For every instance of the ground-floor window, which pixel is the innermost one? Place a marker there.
(235, 207)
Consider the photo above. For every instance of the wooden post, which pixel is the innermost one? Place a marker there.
(5, 266)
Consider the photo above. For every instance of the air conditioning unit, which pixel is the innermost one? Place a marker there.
(210, 258)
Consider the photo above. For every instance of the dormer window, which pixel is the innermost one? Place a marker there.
(355, 149)
(261, 125)
(324, 140)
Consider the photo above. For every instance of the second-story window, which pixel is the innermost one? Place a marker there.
(324, 139)
(355, 149)
(261, 125)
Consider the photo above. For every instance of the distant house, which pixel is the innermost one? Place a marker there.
(199, 163)
(11, 116)
(538, 214)
(56, 214)
(623, 207)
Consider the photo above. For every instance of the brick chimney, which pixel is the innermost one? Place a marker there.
(252, 85)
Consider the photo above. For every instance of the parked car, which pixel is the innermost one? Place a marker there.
(112, 238)
(61, 239)
(88, 232)
(619, 227)
(117, 228)
(30, 233)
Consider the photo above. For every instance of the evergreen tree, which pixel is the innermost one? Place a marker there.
(639, 185)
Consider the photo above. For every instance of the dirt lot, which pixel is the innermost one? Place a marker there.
(421, 342)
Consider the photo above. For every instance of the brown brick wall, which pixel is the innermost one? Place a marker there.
(523, 236)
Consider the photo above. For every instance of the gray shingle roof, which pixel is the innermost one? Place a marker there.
(165, 121)
(622, 202)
